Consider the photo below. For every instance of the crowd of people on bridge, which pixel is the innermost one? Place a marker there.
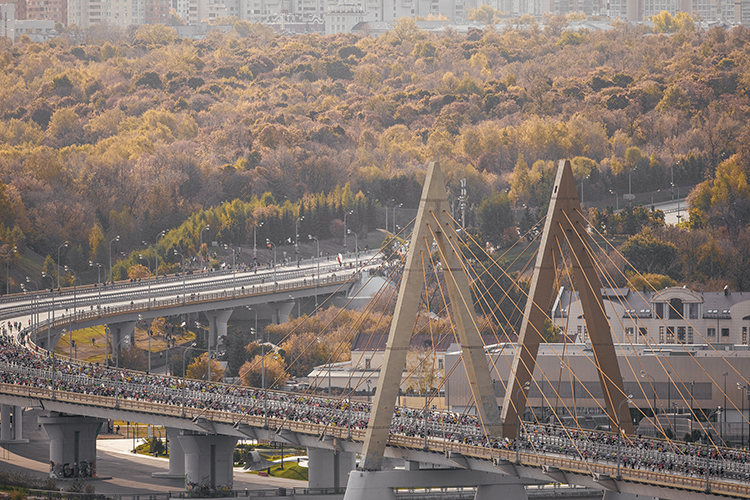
(29, 367)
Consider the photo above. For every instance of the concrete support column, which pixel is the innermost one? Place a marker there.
(280, 311)
(208, 460)
(217, 326)
(72, 445)
(176, 457)
(5, 428)
(328, 468)
(11, 424)
(17, 423)
(119, 332)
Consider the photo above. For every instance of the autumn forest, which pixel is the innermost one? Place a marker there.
(108, 132)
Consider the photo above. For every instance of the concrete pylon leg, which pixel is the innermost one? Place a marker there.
(176, 457)
(217, 326)
(5, 429)
(365, 485)
(613, 495)
(329, 469)
(500, 492)
(72, 445)
(208, 460)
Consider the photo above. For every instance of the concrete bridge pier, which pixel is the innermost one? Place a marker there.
(119, 333)
(329, 468)
(11, 424)
(208, 460)
(72, 445)
(281, 310)
(176, 457)
(217, 326)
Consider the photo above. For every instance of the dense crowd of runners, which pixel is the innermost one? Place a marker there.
(20, 365)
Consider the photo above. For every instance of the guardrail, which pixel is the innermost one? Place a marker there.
(528, 459)
(196, 283)
(67, 320)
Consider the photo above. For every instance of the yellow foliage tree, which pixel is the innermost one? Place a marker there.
(251, 372)
(198, 369)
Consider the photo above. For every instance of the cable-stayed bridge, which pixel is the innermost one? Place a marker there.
(488, 450)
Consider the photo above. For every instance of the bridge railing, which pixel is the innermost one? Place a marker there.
(534, 459)
(66, 320)
(87, 295)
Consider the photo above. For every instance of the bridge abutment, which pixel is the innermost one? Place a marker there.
(72, 445)
(328, 468)
(11, 424)
(208, 460)
(176, 457)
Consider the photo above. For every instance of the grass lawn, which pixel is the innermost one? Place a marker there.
(90, 343)
(291, 470)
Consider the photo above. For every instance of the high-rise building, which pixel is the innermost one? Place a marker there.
(53, 10)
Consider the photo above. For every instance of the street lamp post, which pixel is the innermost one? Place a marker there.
(674, 419)
(7, 268)
(262, 367)
(148, 332)
(50, 314)
(207, 333)
(742, 389)
(111, 277)
(234, 270)
(35, 305)
(521, 389)
(182, 265)
(200, 249)
(317, 280)
(255, 241)
(356, 246)
(156, 252)
(620, 432)
(65, 244)
(583, 179)
(296, 232)
(184, 373)
(148, 262)
(708, 484)
(299, 305)
(386, 214)
(395, 207)
(75, 277)
(273, 245)
(140, 256)
(617, 199)
(345, 231)
(630, 188)
(98, 271)
(653, 389)
(98, 283)
(724, 415)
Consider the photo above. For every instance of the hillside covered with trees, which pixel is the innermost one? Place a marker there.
(106, 132)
